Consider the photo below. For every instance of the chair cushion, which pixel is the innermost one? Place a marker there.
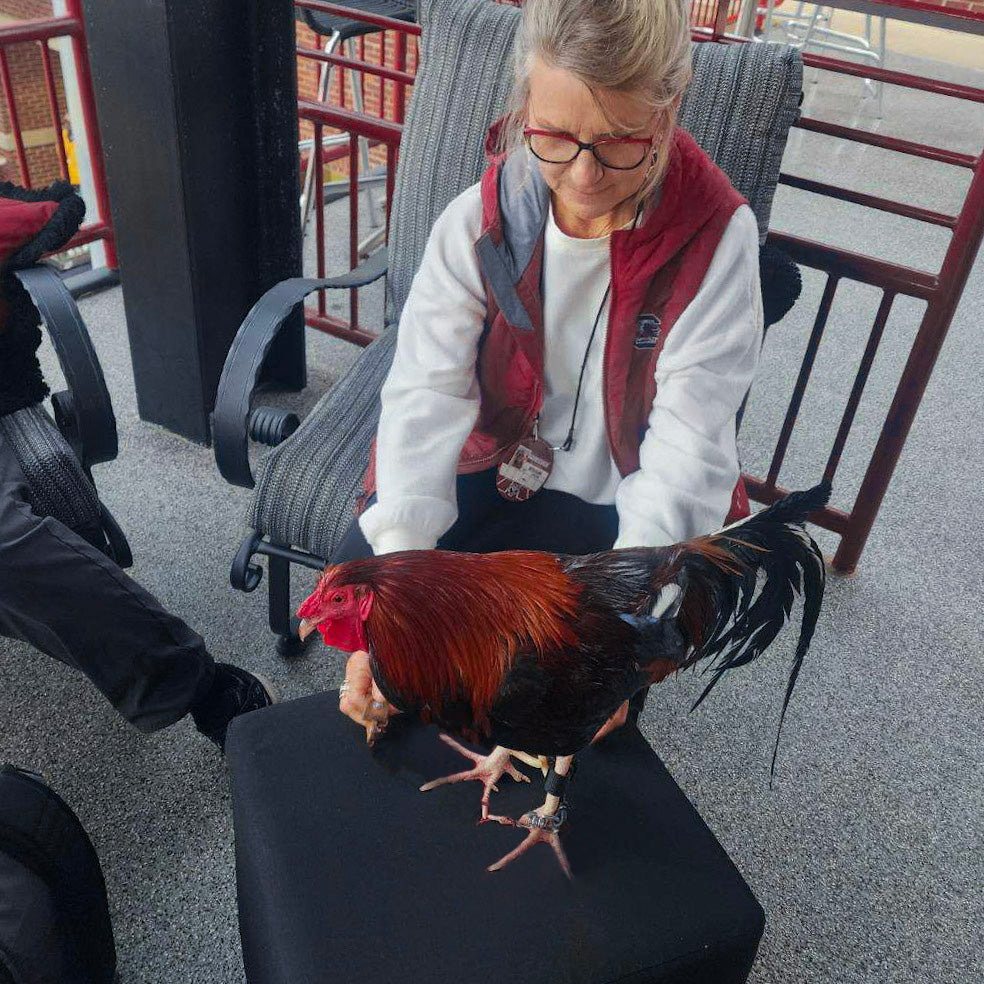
(346, 872)
(307, 487)
(59, 487)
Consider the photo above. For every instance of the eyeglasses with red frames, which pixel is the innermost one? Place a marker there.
(618, 153)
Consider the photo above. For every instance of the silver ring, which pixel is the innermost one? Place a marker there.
(344, 688)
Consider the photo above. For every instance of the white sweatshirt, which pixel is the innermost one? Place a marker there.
(688, 458)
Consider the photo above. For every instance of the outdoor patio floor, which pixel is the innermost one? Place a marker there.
(867, 852)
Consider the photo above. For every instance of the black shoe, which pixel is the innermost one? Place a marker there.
(234, 691)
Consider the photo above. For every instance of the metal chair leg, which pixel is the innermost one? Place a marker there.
(881, 63)
(808, 37)
(767, 26)
(869, 86)
(283, 623)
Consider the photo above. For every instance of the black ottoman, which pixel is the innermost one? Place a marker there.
(347, 873)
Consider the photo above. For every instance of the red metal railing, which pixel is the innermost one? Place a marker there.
(940, 290)
(357, 125)
(376, 129)
(39, 32)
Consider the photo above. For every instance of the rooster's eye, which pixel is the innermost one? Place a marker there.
(338, 599)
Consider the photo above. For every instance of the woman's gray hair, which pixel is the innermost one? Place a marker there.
(640, 47)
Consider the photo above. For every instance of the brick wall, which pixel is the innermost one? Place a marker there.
(25, 9)
(30, 100)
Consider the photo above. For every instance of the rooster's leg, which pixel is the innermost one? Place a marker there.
(540, 762)
(535, 760)
(488, 770)
(544, 823)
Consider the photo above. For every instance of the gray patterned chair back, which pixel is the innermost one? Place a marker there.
(742, 102)
(462, 87)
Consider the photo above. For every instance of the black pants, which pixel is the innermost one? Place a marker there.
(62, 595)
(553, 521)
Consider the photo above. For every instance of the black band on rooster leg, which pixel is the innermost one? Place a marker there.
(554, 784)
(552, 822)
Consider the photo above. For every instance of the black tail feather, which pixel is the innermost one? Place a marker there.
(797, 506)
(746, 578)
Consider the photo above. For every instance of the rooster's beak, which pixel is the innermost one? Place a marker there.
(306, 628)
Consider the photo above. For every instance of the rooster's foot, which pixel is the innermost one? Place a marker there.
(543, 827)
(488, 770)
(493, 818)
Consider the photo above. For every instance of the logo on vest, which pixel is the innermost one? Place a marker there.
(647, 331)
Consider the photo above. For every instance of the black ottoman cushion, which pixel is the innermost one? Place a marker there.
(346, 872)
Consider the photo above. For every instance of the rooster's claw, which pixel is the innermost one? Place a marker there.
(488, 769)
(505, 821)
(543, 828)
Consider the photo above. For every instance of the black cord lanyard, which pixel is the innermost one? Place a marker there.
(569, 440)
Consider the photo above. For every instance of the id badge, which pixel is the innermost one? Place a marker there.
(525, 468)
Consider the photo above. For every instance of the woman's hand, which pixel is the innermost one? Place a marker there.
(361, 700)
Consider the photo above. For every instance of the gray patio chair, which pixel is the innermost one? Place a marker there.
(742, 102)
(57, 451)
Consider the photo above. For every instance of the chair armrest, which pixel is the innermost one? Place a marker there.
(308, 487)
(781, 283)
(84, 413)
(230, 419)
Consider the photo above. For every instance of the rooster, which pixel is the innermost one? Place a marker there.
(536, 651)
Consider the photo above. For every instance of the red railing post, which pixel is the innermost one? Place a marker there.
(92, 135)
(15, 127)
(909, 393)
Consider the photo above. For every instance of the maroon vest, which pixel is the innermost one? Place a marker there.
(657, 270)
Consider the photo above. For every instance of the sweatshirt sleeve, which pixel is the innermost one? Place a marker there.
(430, 398)
(688, 459)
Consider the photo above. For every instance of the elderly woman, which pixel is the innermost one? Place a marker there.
(585, 322)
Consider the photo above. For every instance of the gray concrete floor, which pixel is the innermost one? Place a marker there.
(866, 854)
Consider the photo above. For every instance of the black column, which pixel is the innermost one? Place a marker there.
(197, 104)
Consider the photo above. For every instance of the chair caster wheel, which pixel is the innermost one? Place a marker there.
(290, 646)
